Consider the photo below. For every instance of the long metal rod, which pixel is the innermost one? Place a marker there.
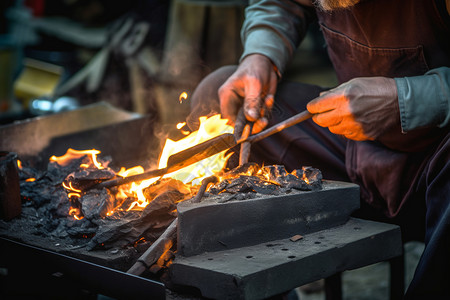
(203, 187)
(166, 240)
(125, 180)
(244, 154)
(300, 117)
(153, 253)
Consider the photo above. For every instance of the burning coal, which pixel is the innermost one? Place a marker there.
(140, 211)
(251, 181)
(91, 171)
(119, 216)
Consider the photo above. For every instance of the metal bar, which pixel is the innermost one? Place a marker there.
(133, 178)
(244, 154)
(333, 287)
(300, 117)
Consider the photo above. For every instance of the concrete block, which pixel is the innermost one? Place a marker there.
(264, 270)
(208, 227)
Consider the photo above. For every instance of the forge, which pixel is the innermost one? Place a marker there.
(245, 238)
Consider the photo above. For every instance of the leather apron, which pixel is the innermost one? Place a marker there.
(388, 38)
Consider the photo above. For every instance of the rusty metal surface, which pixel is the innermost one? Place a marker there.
(270, 268)
(30, 137)
(10, 202)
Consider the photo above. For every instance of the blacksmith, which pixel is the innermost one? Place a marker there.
(385, 127)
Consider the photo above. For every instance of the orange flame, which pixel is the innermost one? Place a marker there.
(72, 154)
(183, 96)
(70, 187)
(20, 166)
(181, 125)
(70, 195)
(134, 190)
(75, 212)
(193, 175)
(305, 179)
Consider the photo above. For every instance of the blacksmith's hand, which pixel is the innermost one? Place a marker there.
(252, 86)
(360, 109)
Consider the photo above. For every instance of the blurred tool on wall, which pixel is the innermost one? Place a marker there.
(139, 55)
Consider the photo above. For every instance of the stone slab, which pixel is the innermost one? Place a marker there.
(264, 270)
(208, 227)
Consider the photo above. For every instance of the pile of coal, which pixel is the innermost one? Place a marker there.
(48, 204)
(247, 180)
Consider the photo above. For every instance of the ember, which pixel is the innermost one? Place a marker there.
(250, 181)
(98, 215)
(183, 96)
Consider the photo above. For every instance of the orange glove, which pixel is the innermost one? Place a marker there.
(252, 86)
(360, 109)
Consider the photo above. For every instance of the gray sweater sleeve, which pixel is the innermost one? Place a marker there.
(424, 101)
(274, 29)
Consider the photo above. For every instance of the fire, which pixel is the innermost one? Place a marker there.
(75, 212)
(20, 166)
(70, 195)
(190, 175)
(72, 154)
(305, 178)
(135, 190)
(181, 125)
(209, 128)
(70, 187)
(183, 96)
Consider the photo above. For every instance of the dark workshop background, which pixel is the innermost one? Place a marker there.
(140, 55)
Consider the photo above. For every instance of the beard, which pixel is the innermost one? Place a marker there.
(329, 5)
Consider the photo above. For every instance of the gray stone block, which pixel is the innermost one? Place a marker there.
(264, 270)
(208, 227)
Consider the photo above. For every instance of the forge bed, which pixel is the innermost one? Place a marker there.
(234, 250)
(34, 265)
(25, 230)
(128, 138)
(248, 249)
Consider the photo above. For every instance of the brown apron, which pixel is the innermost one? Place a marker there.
(393, 39)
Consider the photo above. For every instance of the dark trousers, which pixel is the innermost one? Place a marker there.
(409, 189)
